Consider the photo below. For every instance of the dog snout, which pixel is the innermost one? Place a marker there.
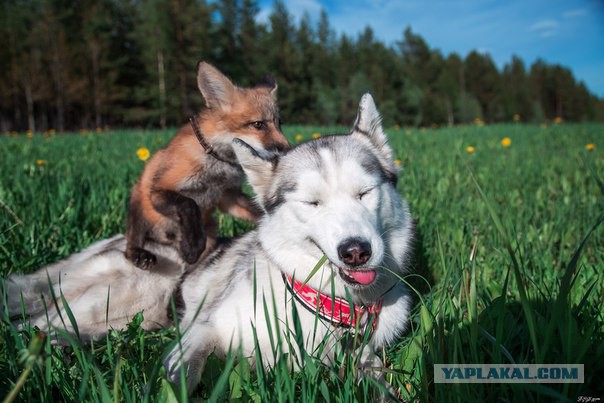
(354, 251)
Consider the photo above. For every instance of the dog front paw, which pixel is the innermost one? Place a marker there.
(174, 369)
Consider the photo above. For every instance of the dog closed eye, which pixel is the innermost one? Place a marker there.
(364, 193)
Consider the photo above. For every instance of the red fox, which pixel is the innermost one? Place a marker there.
(182, 185)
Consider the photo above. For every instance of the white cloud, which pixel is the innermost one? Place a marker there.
(547, 34)
(578, 12)
(545, 28)
(544, 25)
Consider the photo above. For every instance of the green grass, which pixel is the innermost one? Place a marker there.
(505, 269)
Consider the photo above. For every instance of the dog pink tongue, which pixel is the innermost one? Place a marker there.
(362, 276)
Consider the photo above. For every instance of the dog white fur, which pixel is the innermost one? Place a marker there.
(319, 198)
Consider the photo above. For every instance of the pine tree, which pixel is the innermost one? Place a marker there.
(282, 59)
(516, 97)
(482, 81)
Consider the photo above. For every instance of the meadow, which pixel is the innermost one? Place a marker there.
(509, 266)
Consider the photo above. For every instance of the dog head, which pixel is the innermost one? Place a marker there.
(334, 196)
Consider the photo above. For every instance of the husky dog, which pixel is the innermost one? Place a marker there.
(333, 243)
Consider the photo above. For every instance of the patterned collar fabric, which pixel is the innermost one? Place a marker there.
(335, 310)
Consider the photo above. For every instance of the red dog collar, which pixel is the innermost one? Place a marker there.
(335, 310)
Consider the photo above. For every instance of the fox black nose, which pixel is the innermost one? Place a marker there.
(354, 251)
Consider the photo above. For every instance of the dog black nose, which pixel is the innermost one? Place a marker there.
(354, 251)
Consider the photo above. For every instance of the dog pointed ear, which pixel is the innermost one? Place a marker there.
(258, 169)
(216, 88)
(369, 124)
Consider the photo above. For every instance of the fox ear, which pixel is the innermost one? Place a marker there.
(274, 90)
(272, 84)
(216, 88)
(369, 124)
(258, 169)
(269, 82)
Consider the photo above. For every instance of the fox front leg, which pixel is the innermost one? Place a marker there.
(186, 212)
(239, 205)
(138, 227)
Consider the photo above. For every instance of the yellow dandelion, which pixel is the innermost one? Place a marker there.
(516, 117)
(52, 131)
(506, 142)
(590, 147)
(558, 120)
(316, 135)
(299, 138)
(408, 132)
(29, 134)
(397, 163)
(470, 150)
(143, 153)
(41, 163)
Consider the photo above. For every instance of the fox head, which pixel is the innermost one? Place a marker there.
(250, 114)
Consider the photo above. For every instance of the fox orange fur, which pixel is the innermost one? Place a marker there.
(182, 185)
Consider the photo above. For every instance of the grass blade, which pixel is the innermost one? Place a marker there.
(315, 269)
(524, 301)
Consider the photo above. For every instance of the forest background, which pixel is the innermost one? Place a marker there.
(71, 65)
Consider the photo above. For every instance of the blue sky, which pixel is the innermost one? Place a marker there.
(566, 32)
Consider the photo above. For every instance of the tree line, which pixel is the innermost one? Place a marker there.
(67, 65)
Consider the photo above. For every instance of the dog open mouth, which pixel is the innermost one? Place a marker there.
(357, 277)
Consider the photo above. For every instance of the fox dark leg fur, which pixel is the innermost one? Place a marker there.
(187, 228)
(188, 216)
(138, 228)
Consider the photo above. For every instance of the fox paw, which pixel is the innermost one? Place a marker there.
(143, 259)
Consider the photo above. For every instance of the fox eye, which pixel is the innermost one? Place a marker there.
(314, 203)
(259, 125)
